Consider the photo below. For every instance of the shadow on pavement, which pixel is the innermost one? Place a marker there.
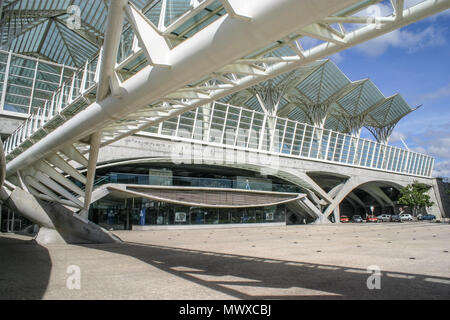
(24, 269)
(245, 277)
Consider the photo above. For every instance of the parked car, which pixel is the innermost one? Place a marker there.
(384, 218)
(344, 219)
(396, 218)
(406, 217)
(427, 217)
(357, 218)
(371, 218)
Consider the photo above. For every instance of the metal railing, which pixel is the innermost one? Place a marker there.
(64, 102)
(227, 125)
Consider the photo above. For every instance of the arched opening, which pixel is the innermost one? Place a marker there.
(371, 198)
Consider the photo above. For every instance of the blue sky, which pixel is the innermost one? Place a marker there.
(415, 62)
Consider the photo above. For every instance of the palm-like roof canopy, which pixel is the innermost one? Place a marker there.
(346, 104)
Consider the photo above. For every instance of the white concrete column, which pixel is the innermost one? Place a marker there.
(337, 215)
(93, 156)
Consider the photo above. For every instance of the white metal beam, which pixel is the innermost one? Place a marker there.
(238, 9)
(60, 163)
(108, 59)
(317, 31)
(153, 43)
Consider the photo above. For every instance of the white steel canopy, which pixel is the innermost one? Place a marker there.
(347, 105)
(42, 28)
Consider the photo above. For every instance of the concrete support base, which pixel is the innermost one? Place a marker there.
(322, 220)
(58, 224)
(49, 236)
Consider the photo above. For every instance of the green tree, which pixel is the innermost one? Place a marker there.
(415, 196)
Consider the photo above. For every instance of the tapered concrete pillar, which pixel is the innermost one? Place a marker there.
(57, 223)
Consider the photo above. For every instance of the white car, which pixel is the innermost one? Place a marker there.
(406, 217)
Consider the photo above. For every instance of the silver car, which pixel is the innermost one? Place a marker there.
(406, 217)
(384, 218)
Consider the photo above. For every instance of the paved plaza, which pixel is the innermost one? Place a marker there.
(293, 262)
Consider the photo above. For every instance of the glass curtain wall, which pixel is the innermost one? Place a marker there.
(142, 212)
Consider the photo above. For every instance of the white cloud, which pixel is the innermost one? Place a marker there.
(337, 57)
(438, 94)
(376, 10)
(420, 150)
(442, 169)
(440, 147)
(405, 39)
(442, 14)
(308, 43)
(435, 143)
(397, 136)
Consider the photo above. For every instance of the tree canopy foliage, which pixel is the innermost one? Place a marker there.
(415, 196)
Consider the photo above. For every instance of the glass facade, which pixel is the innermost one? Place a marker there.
(112, 212)
(169, 214)
(142, 212)
(29, 82)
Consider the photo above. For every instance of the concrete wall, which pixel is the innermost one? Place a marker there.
(442, 188)
(136, 147)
